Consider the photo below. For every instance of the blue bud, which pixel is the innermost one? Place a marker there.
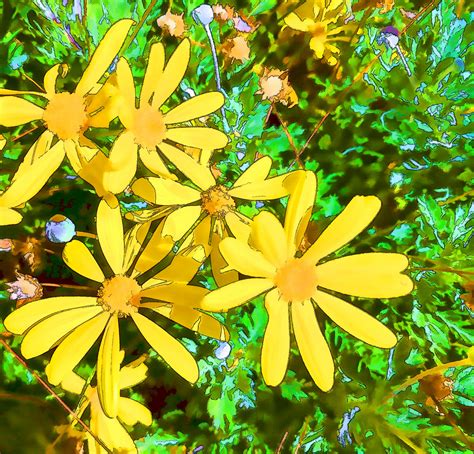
(223, 351)
(203, 14)
(60, 229)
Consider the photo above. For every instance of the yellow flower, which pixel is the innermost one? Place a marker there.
(74, 323)
(66, 116)
(147, 128)
(321, 28)
(111, 431)
(212, 200)
(296, 283)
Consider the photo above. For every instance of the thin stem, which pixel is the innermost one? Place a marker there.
(280, 446)
(458, 197)
(34, 128)
(26, 76)
(86, 234)
(288, 135)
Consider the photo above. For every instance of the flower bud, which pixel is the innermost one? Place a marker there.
(223, 351)
(60, 229)
(203, 14)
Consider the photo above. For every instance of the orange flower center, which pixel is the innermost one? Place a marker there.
(217, 201)
(148, 127)
(318, 30)
(65, 115)
(296, 280)
(119, 294)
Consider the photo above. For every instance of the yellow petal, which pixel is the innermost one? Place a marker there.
(132, 412)
(16, 111)
(74, 347)
(180, 221)
(188, 295)
(46, 333)
(71, 383)
(77, 256)
(38, 149)
(246, 260)
(317, 46)
(133, 241)
(258, 171)
(171, 350)
(198, 136)
(9, 216)
(300, 205)
(108, 366)
(51, 76)
(373, 275)
(132, 374)
(103, 56)
(29, 314)
(164, 192)
(270, 189)
(6, 91)
(294, 22)
(276, 341)
(312, 345)
(200, 175)
(170, 78)
(184, 266)
(239, 225)
(29, 182)
(194, 320)
(357, 215)
(110, 233)
(125, 84)
(153, 73)
(269, 238)
(111, 433)
(195, 107)
(235, 294)
(153, 162)
(218, 263)
(355, 321)
(122, 163)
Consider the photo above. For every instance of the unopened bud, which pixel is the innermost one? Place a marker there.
(60, 229)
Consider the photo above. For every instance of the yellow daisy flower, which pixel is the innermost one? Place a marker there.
(66, 115)
(147, 128)
(111, 431)
(321, 28)
(74, 323)
(209, 199)
(298, 282)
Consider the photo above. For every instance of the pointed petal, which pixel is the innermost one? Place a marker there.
(164, 192)
(74, 347)
(17, 111)
(37, 150)
(195, 107)
(170, 349)
(276, 341)
(258, 171)
(200, 175)
(183, 294)
(29, 314)
(357, 215)
(269, 238)
(372, 275)
(46, 333)
(108, 367)
(50, 78)
(273, 188)
(239, 225)
(125, 84)
(312, 345)
(235, 294)
(198, 137)
(103, 56)
(153, 73)
(9, 216)
(110, 233)
(355, 321)
(246, 260)
(77, 256)
(132, 412)
(170, 78)
(153, 162)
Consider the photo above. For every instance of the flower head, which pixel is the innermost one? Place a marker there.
(275, 87)
(172, 24)
(25, 289)
(298, 283)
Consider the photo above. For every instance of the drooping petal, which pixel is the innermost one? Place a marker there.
(9, 216)
(153, 73)
(195, 107)
(103, 56)
(112, 433)
(300, 205)
(270, 189)
(198, 136)
(276, 341)
(355, 321)
(269, 238)
(258, 171)
(29, 314)
(77, 256)
(108, 367)
(172, 74)
(170, 349)
(74, 347)
(153, 162)
(317, 46)
(132, 374)
(17, 111)
(164, 192)
(235, 294)
(357, 215)
(110, 234)
(312, 345)
(132, 412)
(246, 260)
(183, 294)
(294, 22)
(372, 275)
(46, 333)
(200, 175)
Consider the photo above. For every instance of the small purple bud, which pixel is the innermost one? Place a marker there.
(60, 229)
(223, 351)
(242, 26)
(391, 30)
